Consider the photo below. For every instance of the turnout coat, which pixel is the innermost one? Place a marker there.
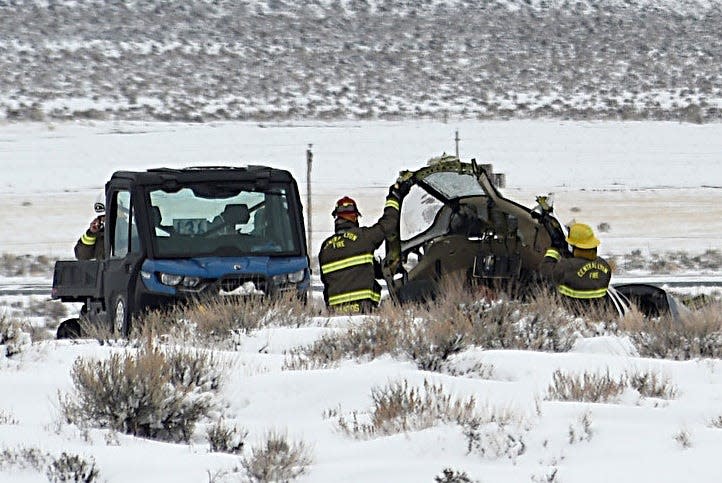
(348, 268)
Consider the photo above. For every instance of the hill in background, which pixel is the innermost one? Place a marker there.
(280, 59)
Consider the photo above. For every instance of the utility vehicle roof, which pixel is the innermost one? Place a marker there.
(202, 174)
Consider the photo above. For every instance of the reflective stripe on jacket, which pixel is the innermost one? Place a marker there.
(90, 246)
(347, 261)
(576, 277)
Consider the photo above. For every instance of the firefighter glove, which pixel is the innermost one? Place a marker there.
(400, 189)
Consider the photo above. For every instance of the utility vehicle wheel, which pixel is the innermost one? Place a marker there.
(69, 329)
(119, 316)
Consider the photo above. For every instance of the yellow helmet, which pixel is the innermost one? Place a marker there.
(582, 236)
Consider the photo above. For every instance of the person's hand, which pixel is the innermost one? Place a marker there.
(96, 225)
(401, 187)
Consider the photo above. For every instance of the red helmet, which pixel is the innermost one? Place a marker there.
(346, 209)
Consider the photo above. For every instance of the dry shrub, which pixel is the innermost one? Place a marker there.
(697, 334)
(449, 475)
(148, 393)
(581, 429)
(589, 387)
(71, 467)
(596, 387)
(220, 320)
(398, 408)
(716, 422)
(66, 467)
(430, 333)
(277, 459)
(683, 438)
(14, 336)
(224, 438)
(50, 309)
(25, 265)
(373, 338)
(6, 417)
(652, 384)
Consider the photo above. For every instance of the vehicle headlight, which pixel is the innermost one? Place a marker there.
(296, 277)
(170, 279)
(190, 282)
(293, 277)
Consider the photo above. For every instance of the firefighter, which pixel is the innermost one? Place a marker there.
(348, 267)
(91, 244)
(581, 277)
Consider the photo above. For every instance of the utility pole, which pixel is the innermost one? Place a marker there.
(457, 139)
(309, 219)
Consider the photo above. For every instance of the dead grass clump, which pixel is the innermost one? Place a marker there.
(373, 338)
(26, 265)
(71, 467)
(14, 337)
(683, 438)
(581, 429)
(652, 384)
(66, 467)
(219, 320)
(716, 422)
(588, 387)
(698, 334)
(224, 438)
(602, 387)
(449, 475)
(398, 408)
(6, 417)
(49, 309)
(277, 459)
(430, 333)
(541, 322)
(148, 393)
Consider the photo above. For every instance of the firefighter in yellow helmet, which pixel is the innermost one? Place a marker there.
(582, 275)
(348, 268)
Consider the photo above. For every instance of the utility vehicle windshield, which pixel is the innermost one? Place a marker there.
(421, 209)
(223, 220)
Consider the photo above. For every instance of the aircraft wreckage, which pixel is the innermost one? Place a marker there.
(455, 222)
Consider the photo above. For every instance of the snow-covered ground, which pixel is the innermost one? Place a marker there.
(657, 185)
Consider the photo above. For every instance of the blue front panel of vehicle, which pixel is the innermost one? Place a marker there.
(213, 268)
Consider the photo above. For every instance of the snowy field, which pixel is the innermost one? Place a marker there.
(658, 186)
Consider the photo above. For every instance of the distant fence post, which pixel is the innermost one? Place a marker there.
(456, 140)
(309, 219)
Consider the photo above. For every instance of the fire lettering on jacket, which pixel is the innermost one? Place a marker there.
(592, 266)
(339, 241)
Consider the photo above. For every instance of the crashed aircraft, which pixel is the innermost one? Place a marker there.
(455, 222)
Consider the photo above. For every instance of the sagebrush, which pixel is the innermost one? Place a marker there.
(221, 321)
(150, 392)
(277, 459)
(67, 467)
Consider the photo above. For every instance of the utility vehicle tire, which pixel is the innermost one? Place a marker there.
(120, 316)
(69, 329)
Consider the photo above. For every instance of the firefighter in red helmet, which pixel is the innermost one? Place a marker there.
(348, 268)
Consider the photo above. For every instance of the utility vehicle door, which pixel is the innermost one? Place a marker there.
(123, 255)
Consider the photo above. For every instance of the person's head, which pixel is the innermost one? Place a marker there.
(99, 206)
(346, 209)
(581, 237)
